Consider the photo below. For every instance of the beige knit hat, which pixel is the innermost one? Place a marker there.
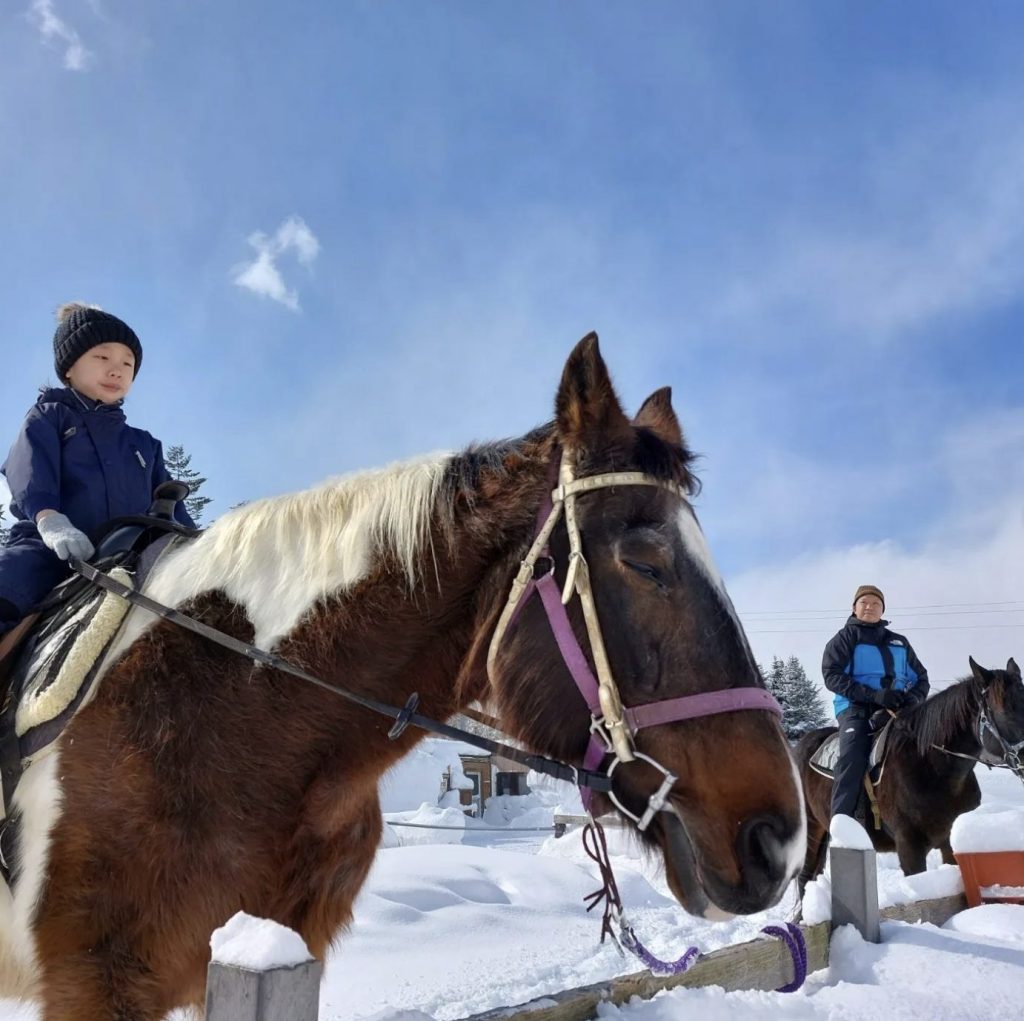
(868, 590)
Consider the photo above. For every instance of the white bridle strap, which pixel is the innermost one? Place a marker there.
(563, 498)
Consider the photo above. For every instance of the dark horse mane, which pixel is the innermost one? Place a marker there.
(937, 720)
(465, 471)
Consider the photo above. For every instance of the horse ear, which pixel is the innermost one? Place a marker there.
(979, 671)
(1012, 668)
(658, 415)
(587, 412)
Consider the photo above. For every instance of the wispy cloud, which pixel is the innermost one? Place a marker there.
(956, 596)
(955, 592)
(935, 231)
(56, 32)
(261, 276)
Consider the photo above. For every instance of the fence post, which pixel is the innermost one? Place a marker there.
(855, 891)
(283, 992)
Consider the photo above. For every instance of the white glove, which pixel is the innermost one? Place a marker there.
(63, 538)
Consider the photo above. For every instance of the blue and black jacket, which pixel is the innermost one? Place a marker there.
(864, 658)
(80, 457)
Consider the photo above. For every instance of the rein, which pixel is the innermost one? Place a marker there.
(403, 717)
(612, 727)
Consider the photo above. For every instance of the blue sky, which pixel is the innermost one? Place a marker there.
(808, 218)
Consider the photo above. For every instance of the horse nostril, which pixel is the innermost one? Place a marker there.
(762, 850)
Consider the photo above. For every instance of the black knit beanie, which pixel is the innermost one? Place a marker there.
(80, 328)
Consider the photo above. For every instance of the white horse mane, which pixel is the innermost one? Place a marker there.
(277, 557)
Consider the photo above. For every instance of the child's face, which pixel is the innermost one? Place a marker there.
(104, 373)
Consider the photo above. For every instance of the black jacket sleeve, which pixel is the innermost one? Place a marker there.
(919, 692)
(838, 654)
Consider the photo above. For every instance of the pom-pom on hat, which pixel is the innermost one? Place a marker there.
(868, 590)
(81, 327)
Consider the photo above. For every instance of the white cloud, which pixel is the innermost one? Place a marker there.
(958, 595)
(261, 276)
(937, 231)
(55, 31)
(955, 593)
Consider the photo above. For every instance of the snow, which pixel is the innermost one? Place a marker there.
(991, 921)
(992, 827)
(257, 944)
(1000, 891)
(845, 831)
(446, 929)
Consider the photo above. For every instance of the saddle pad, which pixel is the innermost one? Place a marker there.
(54, 674)
(825, 758)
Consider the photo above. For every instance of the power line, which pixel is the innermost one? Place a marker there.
(918, 613)
(911, 627)
(900, 609)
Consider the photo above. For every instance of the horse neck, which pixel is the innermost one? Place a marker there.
(430, 638)
(950, 720)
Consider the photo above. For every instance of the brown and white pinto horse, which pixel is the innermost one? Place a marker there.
(195, 784)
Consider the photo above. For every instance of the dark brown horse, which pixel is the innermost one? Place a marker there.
(928, 776)
(195, 785)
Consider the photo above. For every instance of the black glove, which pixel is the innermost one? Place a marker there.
(889, 699)
(879, 718)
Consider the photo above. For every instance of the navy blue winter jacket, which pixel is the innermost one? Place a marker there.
(864, 658)
(80, 457)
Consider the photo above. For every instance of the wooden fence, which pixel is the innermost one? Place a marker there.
(291, 994)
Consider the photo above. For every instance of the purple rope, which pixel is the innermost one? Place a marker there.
(629, 940)
(596, 846)
(794, 940)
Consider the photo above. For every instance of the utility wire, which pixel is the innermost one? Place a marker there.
(908, 627)
(895, 609)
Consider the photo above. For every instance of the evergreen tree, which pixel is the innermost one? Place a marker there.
(804, 709)
(179, 465)
(775, 682)
(3, 528)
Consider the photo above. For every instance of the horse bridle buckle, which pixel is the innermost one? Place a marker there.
(655, 803)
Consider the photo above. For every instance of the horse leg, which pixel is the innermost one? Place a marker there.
(102, 986)
(814, 859)
(912, 850)
(947, 852)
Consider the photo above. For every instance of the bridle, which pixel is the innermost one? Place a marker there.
(613, 727)
(1012, 753)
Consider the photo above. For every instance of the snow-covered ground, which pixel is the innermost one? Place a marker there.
(457, 921)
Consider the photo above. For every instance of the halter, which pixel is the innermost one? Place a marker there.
(1011, 752)
(612, 727)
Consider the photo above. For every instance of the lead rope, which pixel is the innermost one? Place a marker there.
(596, 846)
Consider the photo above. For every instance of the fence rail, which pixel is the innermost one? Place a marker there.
(234, 994)
(758, 964)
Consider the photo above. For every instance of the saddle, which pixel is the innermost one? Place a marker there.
(50, 662)
(824, 760)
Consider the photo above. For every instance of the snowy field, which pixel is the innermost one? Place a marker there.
(457, 921)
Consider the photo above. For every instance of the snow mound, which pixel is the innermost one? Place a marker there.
(257, 944)
(443, 825)
(991, 921)
(991, 827)
(845, 831)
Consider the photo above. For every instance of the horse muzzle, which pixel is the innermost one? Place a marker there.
(764, 856)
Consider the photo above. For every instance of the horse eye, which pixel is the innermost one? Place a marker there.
(645, 570)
